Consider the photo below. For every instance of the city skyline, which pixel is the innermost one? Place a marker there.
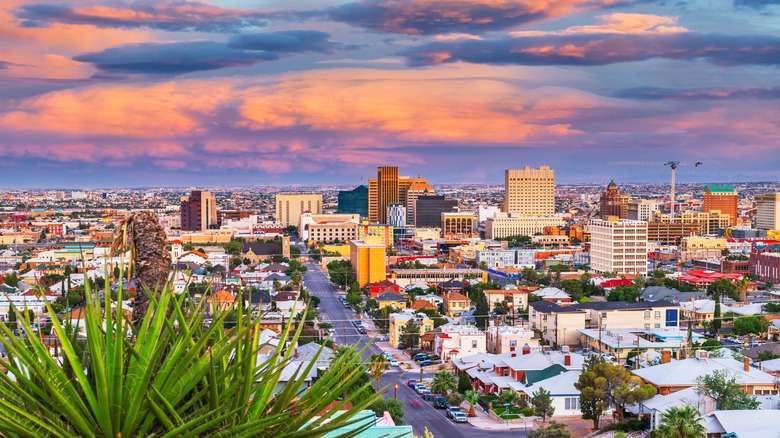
(114, 94)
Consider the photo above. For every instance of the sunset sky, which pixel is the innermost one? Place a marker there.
(222, 92)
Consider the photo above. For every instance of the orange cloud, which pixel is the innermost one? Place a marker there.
(619, 23)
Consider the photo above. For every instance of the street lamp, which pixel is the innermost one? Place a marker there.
(395, 391)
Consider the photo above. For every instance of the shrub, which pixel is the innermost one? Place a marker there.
(527, 412)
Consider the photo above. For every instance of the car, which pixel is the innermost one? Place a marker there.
(428, 396)
(411, 383)
(460, 417)
(440, 402)
(362, 330)
(394, 363)
(420, 388)
(420, 356)
(426, 363)
(388, 355)
(356, 322)
(452, 410)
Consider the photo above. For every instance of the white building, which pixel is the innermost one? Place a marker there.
(503, 339)
(768, 211)
(618, 246)
(502, 258)
(486, 211)
(510, 224)
(642, 209)
(396, 215)
(459, 340)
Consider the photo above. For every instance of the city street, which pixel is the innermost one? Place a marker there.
(418, 413)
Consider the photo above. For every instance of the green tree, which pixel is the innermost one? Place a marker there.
(464, 384)
(542, 404)
(234, 247)
(472, 397)
(723, 387)
(354, 298)
(755, 324)
(553, 430)
(411, 335)
(603, 384)
(11, 280)
(392, 406)
(767, 355)
(682, 422)
(444, 382)
(628, 294)
(573, 288)
(482, 311)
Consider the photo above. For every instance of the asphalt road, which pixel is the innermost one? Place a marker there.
(418, 413)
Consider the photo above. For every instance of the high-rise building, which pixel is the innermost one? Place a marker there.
(290, 206)
(618, 245)
(198, 211)
(642, 209)
(428, 210)
(768, 211)
(530, 192)
(368, 261)
(612, 203)
(723, 199)
(396, 215)
(388, 188)
(354, 201)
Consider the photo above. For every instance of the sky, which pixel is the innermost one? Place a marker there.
(102, 93)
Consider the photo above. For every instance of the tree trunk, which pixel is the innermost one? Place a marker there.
(472, 411)
(596, 422)
(151, 259)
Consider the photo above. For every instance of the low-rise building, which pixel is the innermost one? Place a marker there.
(504, 339)
(459, 340)
(455, 303)
(391, 299)
(557, 324)
(516, 299)
(398, 323)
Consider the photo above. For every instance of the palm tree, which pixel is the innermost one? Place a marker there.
(472, 397)
(147, 241)
(444, 382)
(682, 422)
(742, 285)
(378, 366)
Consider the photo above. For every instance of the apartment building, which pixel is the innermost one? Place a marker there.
(768, 211)
(198, 211)
(504, 339)
(512, 224)
(530, 192)
(557, 324)
(722, 199)
(459, 341)
(290, 207)
(618, 246)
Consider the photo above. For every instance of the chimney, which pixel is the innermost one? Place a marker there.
(334, 347)
(567, 360)
(746, 363)
(666, 356)
(295, 353)
(526, 349)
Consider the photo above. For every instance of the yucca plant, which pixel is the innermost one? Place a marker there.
(172, 377)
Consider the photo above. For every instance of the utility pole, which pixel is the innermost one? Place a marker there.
(599, 332)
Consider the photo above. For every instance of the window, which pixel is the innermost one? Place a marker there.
(657, 325)
(647, 314)
(513, 343)
(473, 344)
(647, 326)
(603, 314)
(572, 403)
(657, 314)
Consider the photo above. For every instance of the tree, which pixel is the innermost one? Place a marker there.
(411, 334)
(444, 382)
(472, 397)
(392, 406)
(354, 298)
(682, 422)
(509, 397)
(464, 384)
(723, 387)
(482, 311)
(628, 294)
(573, 288)
(377, 368)
(755, 324)
(723, 287)
(553, 430)
(500, 308)
(542, 404)
(603, 384)
(234, 247)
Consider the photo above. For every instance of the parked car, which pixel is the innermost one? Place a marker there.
(428, 396)
(394, 363)
(412, 383)
(420, 356)
(388, 355)
(420, 388)
(451, 410)
(426, 363)
(440, 402)
(460, 417)
(362, 330)
(356, 322)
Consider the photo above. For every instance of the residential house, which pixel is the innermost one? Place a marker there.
(681, 374)
(504, 339)
(650, 342)
(455, 303)
(553, 295)
(516, 299)
(742, 424)
(257, 252)
(391, 299)
(451, 286)
(452, 341)
(620, 314)
(418, 305)
(382, 287)
(433, 299)
(220, 302)
(658, 293)
(657, 406)
(288, 304)
(557, 324)
(399, 320)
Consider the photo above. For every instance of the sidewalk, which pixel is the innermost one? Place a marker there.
(400, 356)
(484, 422)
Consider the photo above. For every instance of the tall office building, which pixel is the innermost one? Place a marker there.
(723, 199)
(389, 188)
(198, 211)
(428, 210)
(396, 215)
(618, 246)
(642, 209)
(290, 206)
(354, 201)
(613, 203)
(530, 192)
(768, 211)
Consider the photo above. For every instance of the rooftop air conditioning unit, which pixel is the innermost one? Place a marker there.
(546, 349)
(702, 354)
(565, 349)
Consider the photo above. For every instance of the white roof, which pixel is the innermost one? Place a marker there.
(771, 365)
(685, 372)
(537, 360)
(747, 424)
(687, 396)
(560, 385)
(551, 293)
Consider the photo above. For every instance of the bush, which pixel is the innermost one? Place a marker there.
(632, 425)
(454, 399)
(527, 412)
